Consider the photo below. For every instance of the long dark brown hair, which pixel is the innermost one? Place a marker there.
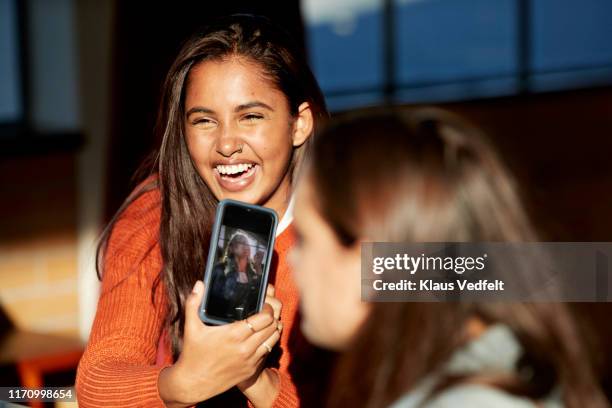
(187, 203)
(424, 175)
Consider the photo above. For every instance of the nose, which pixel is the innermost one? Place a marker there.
(228, 143)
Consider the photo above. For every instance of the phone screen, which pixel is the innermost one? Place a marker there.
(241, 257)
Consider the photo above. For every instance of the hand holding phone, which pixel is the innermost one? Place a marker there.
(229, 352)
(216, 358)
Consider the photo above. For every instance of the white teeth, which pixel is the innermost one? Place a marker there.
(233, 168)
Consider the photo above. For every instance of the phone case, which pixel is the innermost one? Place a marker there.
(211, 256)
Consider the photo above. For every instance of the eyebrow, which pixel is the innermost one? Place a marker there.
(198, 109)
(239, 108)
(253, 104)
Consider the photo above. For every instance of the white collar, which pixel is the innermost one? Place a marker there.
(287, 217)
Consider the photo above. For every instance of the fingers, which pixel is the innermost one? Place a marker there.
(267, 334)
(253, 324)
(276, 305)
(266, 346)
(268, 309)
(192, 307)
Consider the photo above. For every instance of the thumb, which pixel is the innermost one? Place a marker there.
(192, 306)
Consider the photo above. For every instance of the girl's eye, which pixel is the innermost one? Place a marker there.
(203, 122)
(252, 117)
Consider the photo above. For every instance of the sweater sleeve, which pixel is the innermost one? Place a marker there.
(287, 395)
(118, 366)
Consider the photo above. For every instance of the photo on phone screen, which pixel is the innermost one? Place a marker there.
(239, 260)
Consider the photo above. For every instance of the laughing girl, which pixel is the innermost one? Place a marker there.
(237, 115)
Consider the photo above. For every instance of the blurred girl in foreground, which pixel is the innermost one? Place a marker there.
(424, 176)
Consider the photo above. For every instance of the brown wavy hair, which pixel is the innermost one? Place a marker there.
(425, 175)
(187, 203)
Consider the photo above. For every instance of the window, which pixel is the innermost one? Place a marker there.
(571, 43)
(10, 81)
(344, 40)
(368, 51)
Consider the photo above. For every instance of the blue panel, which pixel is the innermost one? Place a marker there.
(10, 84)
(442, 40)
(569, 33)
(346, 102)
(571, 79)
(348, 56)
(459, 91)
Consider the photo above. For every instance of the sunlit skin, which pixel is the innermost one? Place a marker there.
(234, 115)
(330, 291)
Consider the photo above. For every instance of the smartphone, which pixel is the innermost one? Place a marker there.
(239, 258)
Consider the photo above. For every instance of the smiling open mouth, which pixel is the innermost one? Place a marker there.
(234, 171)
(235, 177)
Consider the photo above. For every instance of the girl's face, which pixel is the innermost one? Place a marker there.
(241, 248)
(240, 133)
(328, 276)
(244, 250)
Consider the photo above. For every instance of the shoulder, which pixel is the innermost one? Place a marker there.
(135, 230)
(468, 395)
(144, 200)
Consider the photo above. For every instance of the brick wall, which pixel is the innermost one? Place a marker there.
(38, 242)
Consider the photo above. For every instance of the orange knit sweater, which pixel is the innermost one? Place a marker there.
(126, 350)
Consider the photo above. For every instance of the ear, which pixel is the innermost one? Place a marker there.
(303, 125)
